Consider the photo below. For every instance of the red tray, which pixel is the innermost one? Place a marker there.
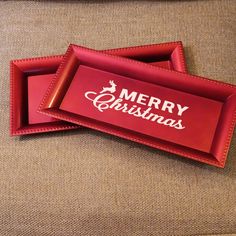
(180, 113)
(31, 77)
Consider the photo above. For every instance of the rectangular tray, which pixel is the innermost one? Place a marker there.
(180, 113)
(29, 74)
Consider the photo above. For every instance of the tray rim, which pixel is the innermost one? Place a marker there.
(46, 107)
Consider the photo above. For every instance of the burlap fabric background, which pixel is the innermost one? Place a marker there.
(87, 183)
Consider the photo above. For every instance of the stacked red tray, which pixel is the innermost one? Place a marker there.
(138, 93)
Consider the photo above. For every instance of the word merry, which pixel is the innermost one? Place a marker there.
(151, 101)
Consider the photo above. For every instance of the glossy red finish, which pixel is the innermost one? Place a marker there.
(37, 85)
(184, 114)
(30, 78)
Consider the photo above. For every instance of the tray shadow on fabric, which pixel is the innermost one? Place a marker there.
(228, 170)
(152, 156)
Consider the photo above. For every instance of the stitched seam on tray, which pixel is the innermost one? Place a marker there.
(36, 130)
(172, 150)
(220, 83)
(12, 113)
(36, 58)
(139, 46)
(180, 51)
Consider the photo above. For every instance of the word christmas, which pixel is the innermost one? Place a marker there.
(103, 101)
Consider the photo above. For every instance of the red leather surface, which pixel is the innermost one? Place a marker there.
(85, 74)
(37, 85)
(25, 98)
(175, 126)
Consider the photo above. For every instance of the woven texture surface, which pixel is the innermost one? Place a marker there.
(87, 183)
